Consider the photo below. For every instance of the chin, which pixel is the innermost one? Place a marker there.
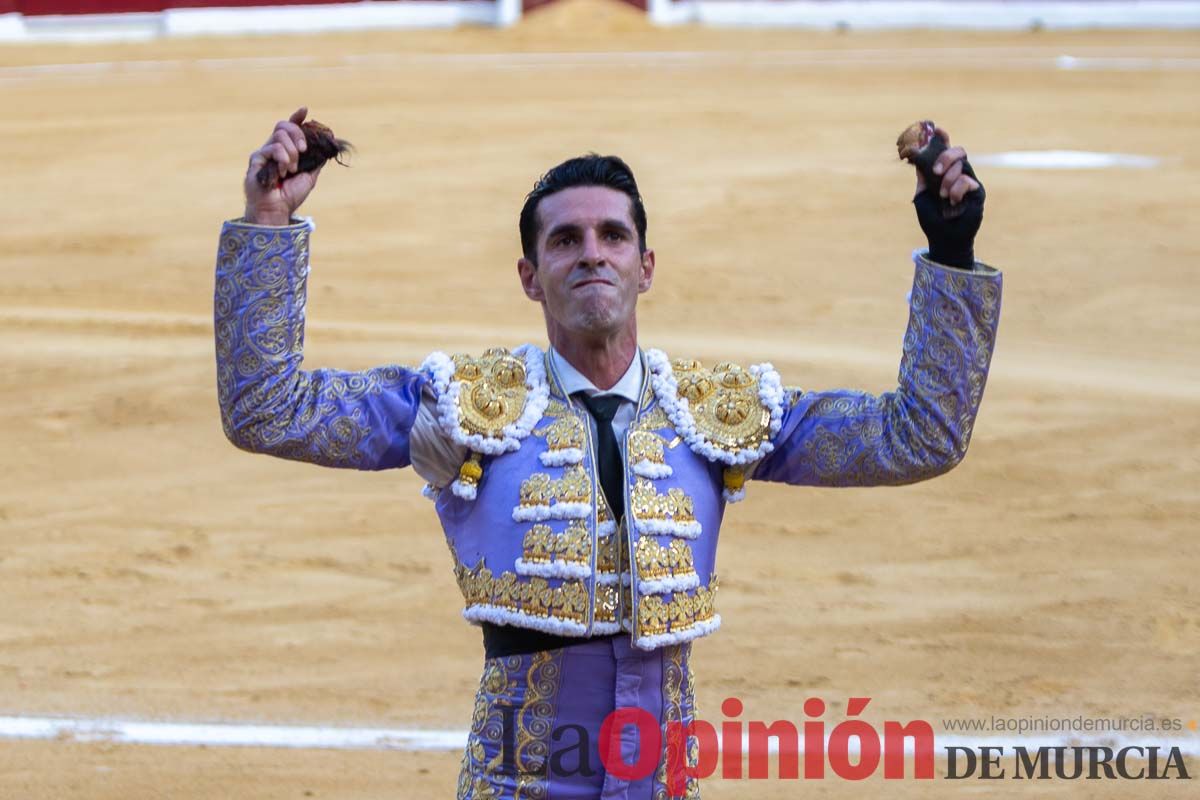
(598, 323)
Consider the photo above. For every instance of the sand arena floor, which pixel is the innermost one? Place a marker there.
(150, 570)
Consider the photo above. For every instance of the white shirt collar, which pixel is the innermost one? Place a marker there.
(628, 387)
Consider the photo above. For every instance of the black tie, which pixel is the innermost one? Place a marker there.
(612, 471)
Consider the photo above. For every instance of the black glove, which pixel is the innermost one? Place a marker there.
(950, 229)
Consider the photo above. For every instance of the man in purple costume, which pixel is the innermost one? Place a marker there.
(581, 487)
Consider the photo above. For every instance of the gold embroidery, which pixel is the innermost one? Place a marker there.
(573, 487)
(512, 592)
(556, 408)
(653, 420)
(725, 404)
(566, 432)
(681, 612)
(576, 487)
(572, 601)
(652, 616)
(572, 546)
(526, 687)
(655, 561)
(645, 446)
(535, 721)
(268, 404)
(678, 712)
(487, 725)
(681, 505)
(537, 544)
(602, 512)
(536, 599)
(851, 438)
(606, 553)
(649, 504)
(606, 603)
(651, 559)
(678, 612)
(493, 391)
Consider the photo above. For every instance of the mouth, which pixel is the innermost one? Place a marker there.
(592, 281)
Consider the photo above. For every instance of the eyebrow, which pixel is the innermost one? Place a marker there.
(571, 227)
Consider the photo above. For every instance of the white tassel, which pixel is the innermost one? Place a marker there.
(465, 491)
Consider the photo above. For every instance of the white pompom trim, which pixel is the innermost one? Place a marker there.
(465, 491)
(611, 579)
(672, 584)
(667, 527)
(675, 637)
(648, 469)
(561, 458)
(605, 628)
(552, 569)
(441, 369)
(430, 492)
(666, 389)
(503, 616)
(606, 528)
(734, 497)
(556, 511)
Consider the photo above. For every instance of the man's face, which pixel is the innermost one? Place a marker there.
(589, 270)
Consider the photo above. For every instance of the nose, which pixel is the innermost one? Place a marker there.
(590, 254)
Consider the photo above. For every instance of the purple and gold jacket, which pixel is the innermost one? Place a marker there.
(533, 542)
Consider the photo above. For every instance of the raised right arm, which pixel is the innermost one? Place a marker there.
(358, 420)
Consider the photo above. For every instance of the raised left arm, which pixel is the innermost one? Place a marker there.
(922, 429)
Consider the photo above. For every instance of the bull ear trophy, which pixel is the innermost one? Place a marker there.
(920, 145)
(322, 146)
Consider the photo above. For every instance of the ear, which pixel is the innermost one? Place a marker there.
(527, 271)
(647, 276)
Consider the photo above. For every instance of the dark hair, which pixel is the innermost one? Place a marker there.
(589, 170)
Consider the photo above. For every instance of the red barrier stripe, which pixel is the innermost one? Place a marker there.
(35, 8)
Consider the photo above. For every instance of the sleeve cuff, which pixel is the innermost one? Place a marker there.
(296, 223)
(921, 256)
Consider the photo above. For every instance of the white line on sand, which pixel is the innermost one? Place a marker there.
(983, 58)
(229, 734)
(1065, 159)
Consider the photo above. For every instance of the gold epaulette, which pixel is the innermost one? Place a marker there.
(726, 414)
(487, 404)
(725, 403)
(493, 391)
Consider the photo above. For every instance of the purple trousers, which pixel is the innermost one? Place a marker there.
(536, 730)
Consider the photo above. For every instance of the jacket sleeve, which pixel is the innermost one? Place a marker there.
(359, 420)
(922, 429)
